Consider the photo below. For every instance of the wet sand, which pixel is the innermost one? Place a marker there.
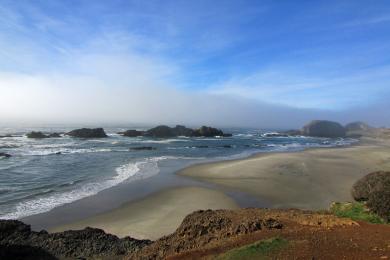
(310, 179)
(156, 215)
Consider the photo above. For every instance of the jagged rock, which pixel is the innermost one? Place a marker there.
(132, 133)
(88, 133)
(86, 243)
(207, 131)
(37, 135)
(143, 148)
(181, 130)
(293, 132)
(6, 155)
(357, 126)
(323, 128)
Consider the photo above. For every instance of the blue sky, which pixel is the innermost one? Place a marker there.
(306, 56)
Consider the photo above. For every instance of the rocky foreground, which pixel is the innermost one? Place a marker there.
(209, 234)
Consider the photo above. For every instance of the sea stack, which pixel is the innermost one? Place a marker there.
(323, 128)
(88, 133)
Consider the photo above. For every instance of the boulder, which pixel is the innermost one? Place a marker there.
(6, 155)
(132, 133)
(207, 131)
(375, 189)
(88, 133)
(37, 135)
(181, 130)
(357, 126)
(323, 128)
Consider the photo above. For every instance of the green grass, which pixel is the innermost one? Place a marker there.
(355, 211)
(258, 250)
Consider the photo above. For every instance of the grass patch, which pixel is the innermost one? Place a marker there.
(355, 211)
(258, 250)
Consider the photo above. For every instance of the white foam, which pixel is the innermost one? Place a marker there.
(130, 171)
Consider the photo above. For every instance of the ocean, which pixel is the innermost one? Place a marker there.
(43, 174)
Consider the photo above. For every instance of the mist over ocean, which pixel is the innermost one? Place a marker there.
(46, 173)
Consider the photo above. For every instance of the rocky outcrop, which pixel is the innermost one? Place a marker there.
(6, 155)
(323, 128)
(37, 135)
(163, 131)
(40, 135)
(358, 126)
(206, 131)
(16, 238)
(132, 133)
(88, 133)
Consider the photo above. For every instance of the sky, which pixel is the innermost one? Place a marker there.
(223, 63)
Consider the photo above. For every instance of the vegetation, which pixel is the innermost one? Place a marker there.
(355, 211)
(258, 250)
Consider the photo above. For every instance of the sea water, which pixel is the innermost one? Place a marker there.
(42, 174)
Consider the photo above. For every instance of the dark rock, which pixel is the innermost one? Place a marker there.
(37, 135)
(357, 126)
(4, 136)
(58, 153)
(6, 155)
(54, 135)
(227, 146)
(227, 135)
(202, 146)
(143, 148)
(207, 131)
(181, 130)
(86, 243)
(161, 131)
(88, 133)
(323, 128)
(132, 133)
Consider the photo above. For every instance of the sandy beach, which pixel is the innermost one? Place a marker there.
(156, 215)
(310, 179)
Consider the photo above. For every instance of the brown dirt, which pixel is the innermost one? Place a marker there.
(206, 234)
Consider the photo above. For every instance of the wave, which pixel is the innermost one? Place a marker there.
(130, 171)
(65, 151)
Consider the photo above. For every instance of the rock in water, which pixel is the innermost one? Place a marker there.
(54, 135)
(37, 135)
(6, 155)
(140, 148)
(132, 133)
(88, 133)
(323, 128)
(161, 131)
(207, 131)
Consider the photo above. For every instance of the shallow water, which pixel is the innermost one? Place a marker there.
(47, 173)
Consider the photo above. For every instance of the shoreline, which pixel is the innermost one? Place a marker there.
(309, 179)
(224, 189)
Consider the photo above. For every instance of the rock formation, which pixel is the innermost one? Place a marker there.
(323, 128)
(207, 131)
(358, 126)
(132, 133)
(88, 133)
(17, 239)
